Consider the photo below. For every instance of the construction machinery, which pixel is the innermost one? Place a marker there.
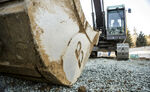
(114, 34)
(44, 40)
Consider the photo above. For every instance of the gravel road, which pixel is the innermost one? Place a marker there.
(99, 75)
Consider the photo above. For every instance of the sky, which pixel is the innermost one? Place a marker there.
(139, 18)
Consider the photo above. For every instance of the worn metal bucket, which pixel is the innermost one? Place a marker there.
(47, 40)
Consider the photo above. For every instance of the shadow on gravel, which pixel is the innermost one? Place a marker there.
(12, 84)
(114, 58)
(141, 59)
(103, 58)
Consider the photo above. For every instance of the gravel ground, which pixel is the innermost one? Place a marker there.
(99, 75)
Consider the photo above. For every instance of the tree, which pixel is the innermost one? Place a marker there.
(141, 40)
(134, 37)
(129, 39)
(135, 31)
(147, 39)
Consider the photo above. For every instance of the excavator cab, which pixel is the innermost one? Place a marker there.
(116, 24)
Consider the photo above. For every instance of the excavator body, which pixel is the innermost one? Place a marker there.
(113, 29)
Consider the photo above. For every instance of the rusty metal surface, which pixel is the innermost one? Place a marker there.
(48, 39)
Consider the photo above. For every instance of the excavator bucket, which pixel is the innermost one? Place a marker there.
(45, 40)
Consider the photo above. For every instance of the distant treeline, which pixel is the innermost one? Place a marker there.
(137, 40)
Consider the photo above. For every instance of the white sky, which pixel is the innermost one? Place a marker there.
(139, 17)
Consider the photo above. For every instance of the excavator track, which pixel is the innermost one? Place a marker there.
(122, 52)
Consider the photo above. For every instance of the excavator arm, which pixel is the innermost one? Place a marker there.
(99, 14)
